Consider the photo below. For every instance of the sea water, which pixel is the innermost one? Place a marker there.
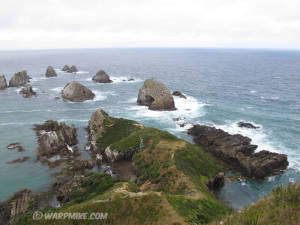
(222, 86)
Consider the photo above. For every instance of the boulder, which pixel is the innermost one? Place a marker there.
(76, 92)
(19, 79)
(73, 69)
(66, 68)
(83, 164)
(27, 92)
(50, 72)
(217, 182)
(178, 94)
(102, 77)
(155, 95)
(238, 152)
(247, 125)
(3, 83)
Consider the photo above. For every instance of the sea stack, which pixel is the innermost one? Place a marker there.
(3, 83)
(76, 92)
(102, 77)
(66, 68)
(73, 69)
(19, 79)
(50, 72)
(27, 92)
(156, 95)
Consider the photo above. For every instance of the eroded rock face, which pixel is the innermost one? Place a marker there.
(155, 95)
(83, 164)
(3, 83)
(217, 182)
(76, 92)
(50, 72)
(95, 128)
(19, 79)
(27, 92)
(237, 151)
(55, 139)
(102, 77)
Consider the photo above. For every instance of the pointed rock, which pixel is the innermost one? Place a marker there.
(50, 72)
(102, 77)
(19, 79)
(3, 83)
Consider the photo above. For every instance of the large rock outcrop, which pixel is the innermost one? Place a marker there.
(50, 72)
(237, 151)
(27, 92)
(19, 79)
(76, 92)
(102, 77)
(55, 139)
(3, 83)
(155, 95)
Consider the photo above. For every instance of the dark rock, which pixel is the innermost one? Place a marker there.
(179, 94)
(50, 72)
(76, 92)
(83, 164)
(27, 92)
(17, 146)
(102, 77)
(3, 83)
(236, 151)
(155, 95)
(247, 125)
(73, 69)
(69, 133)
(131, 79)
(56, 98)
(20, 160)
(217, 182)
(66, 68)
(19, 79)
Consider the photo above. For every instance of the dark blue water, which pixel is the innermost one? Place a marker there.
(223, 86)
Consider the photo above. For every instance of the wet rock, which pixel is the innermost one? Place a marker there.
(20, 160)
(131, 79)
(27, 92)
(217, 182)
(178, 94)
(19, 79)
(102, 77)
(76, 92)
(66, 68)
(238, 152)
(17, 146)
(155, 95)
(3, 83)
(247, 125)
(50, 72)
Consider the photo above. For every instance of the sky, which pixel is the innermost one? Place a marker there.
(53, 24)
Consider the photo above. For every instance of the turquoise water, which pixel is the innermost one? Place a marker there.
(223, 86)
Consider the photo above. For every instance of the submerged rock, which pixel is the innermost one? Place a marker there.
(19, 79)
(155, 95)
(247, 125)
(76, 92)
(17, 146)
(20, 160)
(27, 92)
(3, 83)
(102, 77)
(236, 151)
(178, 94)
(50, 72)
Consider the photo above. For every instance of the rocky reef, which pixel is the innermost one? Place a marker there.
(77, 92)
(19, 79)
(50, 72)
(102, 77)
(156, 96)
(238, 152)
(27, 92)
(3, 83)
(72, 69)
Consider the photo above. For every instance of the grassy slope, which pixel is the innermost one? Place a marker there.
(282, 207)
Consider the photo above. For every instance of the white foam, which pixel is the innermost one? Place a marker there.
(57, 89)
(82, 72)
(70, 148)
(252, 91)
(124, 79)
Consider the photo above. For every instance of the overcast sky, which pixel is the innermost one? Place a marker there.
(40, 24)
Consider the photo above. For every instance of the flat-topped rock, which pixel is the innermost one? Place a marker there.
(102, 77)
(238, 152)
(27, 92)
(3, 83)
(19, 79)
(77, 92)
(50, 72)
(155, 95)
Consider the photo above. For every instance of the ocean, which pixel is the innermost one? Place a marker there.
(223, 87)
